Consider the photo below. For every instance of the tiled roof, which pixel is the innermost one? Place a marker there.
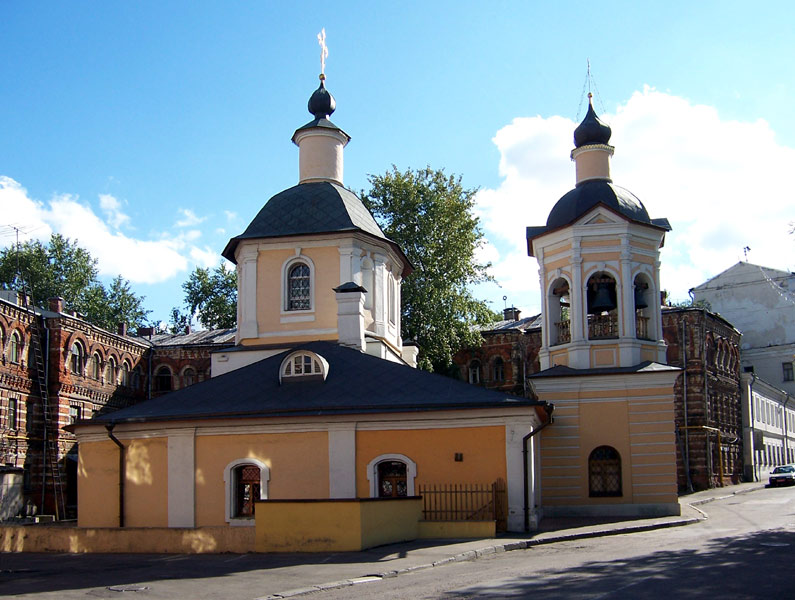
(357, 383)
(309, 208)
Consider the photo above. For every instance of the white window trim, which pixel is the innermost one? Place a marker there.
(372, 472)
(264, 475)
(286, 266)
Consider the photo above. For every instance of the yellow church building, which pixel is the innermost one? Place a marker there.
(319, 399)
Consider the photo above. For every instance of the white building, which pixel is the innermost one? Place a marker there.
(768, 425)
(760, 303)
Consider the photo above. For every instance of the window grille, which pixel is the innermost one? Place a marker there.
(298, 295)
(604, 472)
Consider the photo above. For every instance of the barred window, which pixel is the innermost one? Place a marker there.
(604, 472)
(298, 288)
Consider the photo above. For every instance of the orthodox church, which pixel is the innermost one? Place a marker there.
(612, 449)
(319, 397)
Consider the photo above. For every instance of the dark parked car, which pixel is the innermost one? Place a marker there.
(783, 475)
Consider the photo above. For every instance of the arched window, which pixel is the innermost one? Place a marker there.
(559, 305)
(604, 472)
(303, 365)
(15, 348)
(391, 476)
(499, 370)
(125, 374)
(77, 358)
(163, 379)
(110, 371)
(474, 372)
(645, 327)
(96, 366)
(601, 296)
(188, 377)
(136, 378)
(246, 481)
(298, 287)
(392, 479)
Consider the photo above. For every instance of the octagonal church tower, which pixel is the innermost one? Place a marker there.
(314, 264)
(612, 449)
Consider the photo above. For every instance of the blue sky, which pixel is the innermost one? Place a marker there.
(154, 131)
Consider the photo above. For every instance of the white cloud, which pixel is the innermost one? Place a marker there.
(189, 218)
(139, 260)
(722, 184)
(112, 209)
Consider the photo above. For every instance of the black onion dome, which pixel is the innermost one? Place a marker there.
(589, 194)
(321, 103)
(591, 130)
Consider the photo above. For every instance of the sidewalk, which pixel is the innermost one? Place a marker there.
(411, 556)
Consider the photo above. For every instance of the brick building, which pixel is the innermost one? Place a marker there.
(53, 357)
(509, 354)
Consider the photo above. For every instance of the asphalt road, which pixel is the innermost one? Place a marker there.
(745, 549)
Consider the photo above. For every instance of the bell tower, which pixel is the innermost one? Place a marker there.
(599, 266)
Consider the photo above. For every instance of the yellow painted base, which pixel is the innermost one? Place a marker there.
(457, 529)
(204, 540)
(334, 525)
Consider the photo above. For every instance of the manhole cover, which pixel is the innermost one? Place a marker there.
(128, 588)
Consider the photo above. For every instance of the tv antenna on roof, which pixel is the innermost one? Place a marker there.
(745, 252)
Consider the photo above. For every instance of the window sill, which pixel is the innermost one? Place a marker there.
(242, 522)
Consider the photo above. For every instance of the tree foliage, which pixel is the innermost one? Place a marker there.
(211, 297)
(430, 216)
(63, 269)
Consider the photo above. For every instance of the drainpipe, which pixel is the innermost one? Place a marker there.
(786, 432)
(684, 398)
(706, 395)
(122, 473)
(548, 408)
(753, 419)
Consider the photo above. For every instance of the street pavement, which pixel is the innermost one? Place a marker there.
(276, 576)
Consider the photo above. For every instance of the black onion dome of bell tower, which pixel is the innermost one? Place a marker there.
(321, 102)
(591, 130)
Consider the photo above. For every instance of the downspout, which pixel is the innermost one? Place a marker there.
(706, 395)
(786, 432)
(548, 408)
(684, 398)
(122, 472)
(755, 472)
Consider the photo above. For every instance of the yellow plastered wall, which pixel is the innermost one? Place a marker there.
(146, 483)
(326, 261)
(433, 450)
(298, 464)
(98, 469)
(639, 425)
(145, 487)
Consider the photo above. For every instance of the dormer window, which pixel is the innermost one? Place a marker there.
(303, 365)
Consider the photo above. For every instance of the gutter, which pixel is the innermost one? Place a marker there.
(549, 408)
(122, 471)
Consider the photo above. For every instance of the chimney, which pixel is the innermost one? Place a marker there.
(511, 314)
(122, 329)
(350, 315)
(146, 331)
(56, 304)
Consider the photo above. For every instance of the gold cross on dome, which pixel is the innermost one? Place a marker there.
(321, 40)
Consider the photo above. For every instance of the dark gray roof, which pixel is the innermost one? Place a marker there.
(311, 208)
(644, 367)
(207, 337)
(533, 322)
(586, 196)
(357, 383)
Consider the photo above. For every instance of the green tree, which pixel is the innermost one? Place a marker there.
(63, 269)
(211, 296)
(430, 216)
